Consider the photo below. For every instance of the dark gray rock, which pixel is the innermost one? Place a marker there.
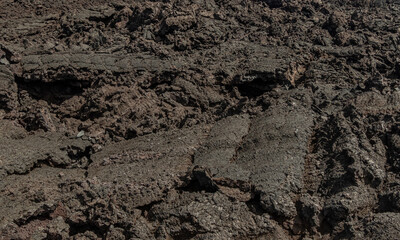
(383, 226)
(20, 156)
(8, 89)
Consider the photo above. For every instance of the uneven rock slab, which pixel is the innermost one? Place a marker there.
(210, 216)
(274, 153)
(268, 153)
(264, 61)
(39, 64)
(33, 198)
(20, 156)
(158, 162)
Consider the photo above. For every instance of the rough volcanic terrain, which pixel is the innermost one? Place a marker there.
(199, 119)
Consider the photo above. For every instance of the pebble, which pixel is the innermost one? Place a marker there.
(4, 61)
(80, 134)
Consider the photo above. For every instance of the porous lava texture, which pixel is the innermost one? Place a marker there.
(199, 119)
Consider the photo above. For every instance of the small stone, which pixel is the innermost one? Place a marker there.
(148, 35)
(80, 134)
(4, 61)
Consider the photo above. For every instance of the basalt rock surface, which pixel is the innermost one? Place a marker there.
(200, 119)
